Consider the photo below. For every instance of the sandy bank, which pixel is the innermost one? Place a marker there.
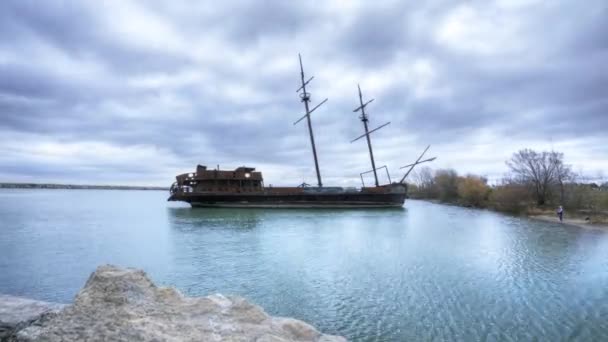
(576, 222)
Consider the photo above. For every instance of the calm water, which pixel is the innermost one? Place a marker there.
(426, 272)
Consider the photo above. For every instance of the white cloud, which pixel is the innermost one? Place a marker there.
(481, 31)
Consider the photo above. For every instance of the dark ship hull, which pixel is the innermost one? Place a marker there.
(392, 196)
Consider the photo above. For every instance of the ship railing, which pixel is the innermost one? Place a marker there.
(175, 188)
(334, 190)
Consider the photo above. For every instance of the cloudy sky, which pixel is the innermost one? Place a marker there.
(134, 92)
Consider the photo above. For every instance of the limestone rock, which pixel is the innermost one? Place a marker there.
(17, 312)
(124, 305)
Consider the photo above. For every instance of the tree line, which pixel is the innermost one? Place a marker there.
(535, 180)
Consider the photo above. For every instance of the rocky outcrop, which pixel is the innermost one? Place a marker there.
(124, 305)
(17, 313)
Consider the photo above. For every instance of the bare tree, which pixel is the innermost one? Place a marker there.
(563, 173)
(447, 185)
(424, 178)
(540, 171)
(599, 175)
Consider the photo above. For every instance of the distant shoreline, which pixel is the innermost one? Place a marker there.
(77, 186)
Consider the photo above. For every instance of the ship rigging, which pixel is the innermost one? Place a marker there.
(244, 187)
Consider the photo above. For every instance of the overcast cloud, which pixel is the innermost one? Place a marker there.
(125, 92)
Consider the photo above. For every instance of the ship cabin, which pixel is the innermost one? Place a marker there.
(242, 180)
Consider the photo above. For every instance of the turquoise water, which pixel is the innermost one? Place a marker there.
(425, 272)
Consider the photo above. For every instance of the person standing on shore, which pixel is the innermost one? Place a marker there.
(560, 213)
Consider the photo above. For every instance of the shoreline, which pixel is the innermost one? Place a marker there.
(52, 186)
(574, 222)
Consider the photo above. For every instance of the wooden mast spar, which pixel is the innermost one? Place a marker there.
(305, 96)
(364, 118)
(417, 162)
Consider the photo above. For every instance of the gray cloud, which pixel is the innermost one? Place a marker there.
(179, 84)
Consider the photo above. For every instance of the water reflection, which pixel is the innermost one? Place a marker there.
(248, 218)
(422, 273)
(192, 218)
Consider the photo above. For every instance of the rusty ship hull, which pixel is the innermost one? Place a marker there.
(391, 197)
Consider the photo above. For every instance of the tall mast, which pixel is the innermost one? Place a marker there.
(364, 118)
(305, 96)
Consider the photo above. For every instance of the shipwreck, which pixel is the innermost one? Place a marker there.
(244, 186)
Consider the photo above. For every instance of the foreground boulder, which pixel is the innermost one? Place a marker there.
(16, 313)
(124, 305)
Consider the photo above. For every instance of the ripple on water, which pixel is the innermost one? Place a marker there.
(426, 272)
